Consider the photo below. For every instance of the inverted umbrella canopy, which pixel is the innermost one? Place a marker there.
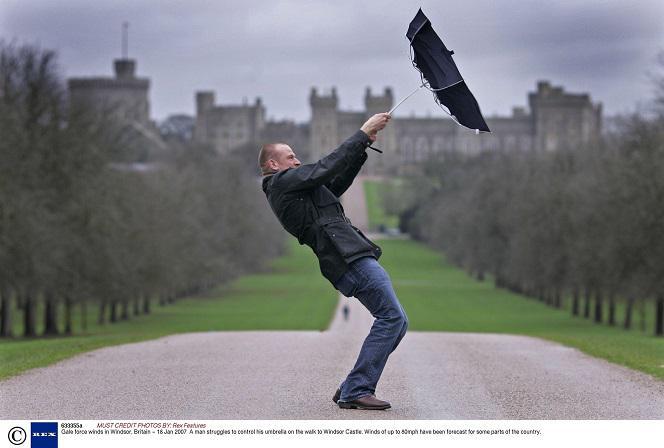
(440, 74)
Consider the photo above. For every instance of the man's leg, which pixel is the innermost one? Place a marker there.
(373, 288)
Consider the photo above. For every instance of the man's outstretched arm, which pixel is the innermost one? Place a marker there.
(320, 173)
(342, 181)
(341, 160)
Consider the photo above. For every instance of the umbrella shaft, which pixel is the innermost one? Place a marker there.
(405, 98)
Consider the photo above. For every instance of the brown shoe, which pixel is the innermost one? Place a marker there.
(368, 402)
(337, 395)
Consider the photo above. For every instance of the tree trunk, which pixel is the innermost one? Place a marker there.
(125, 310)
(50, 314)
(29, 327)
(557, 299)
(628, 313)
(586, 303)
(6, 322)
(102, 313)
(498, 281)
(612, 309)
(146, 304)
(575, 301)
(84, 315)
(137, 306)
(69, 328)
(598, 307)
(114, 312)
(659, 316)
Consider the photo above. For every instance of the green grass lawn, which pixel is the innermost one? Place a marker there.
(440, 297)
(375, 210)
(294, 296)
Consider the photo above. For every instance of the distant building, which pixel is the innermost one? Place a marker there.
(178, 126)
(556, 120)
(124, 99)
(563, 120)
(125, 96)
(227, 127)
(286, 131)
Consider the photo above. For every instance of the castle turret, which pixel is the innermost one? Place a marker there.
(204, 104)
(374, 104)
(125, 68)
(386, 141)
(324, 123)
(562, 120)
(227, 127)
(125, 96)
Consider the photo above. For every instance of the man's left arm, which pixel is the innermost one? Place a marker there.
(342, 181)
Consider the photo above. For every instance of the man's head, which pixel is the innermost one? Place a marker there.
(275, 157)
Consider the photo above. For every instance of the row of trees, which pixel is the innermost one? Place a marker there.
(80, 225)
(584, 223)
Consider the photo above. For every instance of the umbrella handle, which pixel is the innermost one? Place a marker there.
(405, 98)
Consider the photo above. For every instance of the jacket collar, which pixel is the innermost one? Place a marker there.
(266, 181)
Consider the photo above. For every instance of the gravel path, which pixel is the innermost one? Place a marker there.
(293, 374)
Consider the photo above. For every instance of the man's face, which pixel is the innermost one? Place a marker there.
(283, 158)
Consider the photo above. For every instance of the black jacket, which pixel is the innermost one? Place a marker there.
(306, 202)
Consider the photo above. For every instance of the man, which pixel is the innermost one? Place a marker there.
(305, 199)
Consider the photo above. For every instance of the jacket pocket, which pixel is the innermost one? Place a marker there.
(344, 237)
(376, 248)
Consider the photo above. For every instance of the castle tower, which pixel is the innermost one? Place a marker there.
(227, 127)
(324, 123)
(125, 96)
(204, 104)
(374, 104)
(563, 120)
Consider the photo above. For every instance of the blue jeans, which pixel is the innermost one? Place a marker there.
(367, 281)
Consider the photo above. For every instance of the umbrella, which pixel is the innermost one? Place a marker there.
(440, 75)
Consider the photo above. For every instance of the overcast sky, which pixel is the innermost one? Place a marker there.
(278, 50)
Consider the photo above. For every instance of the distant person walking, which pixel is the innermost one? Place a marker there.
(305, 199)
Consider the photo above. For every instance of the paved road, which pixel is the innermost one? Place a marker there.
(292, 375)
(355, 206)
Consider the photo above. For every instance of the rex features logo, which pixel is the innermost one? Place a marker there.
(44, 434)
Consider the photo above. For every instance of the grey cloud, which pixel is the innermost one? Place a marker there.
(279, 49)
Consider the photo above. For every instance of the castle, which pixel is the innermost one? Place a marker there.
(556, 119)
